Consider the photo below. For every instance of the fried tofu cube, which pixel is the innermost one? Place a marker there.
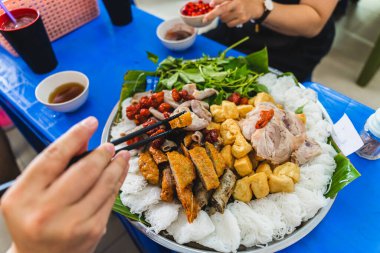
(264, 167)
(182, 169)
(289, 169)
(216, 158)
(158, 156)
(189, 202)
(229, 129)
(263, 97)
(167, 186)
(226, 152)
(241, 147)
(148, 168)
(259, 185)
(243, 191)
(280, 183)
(217, 113)
(251, 101)
(213, 125)
(230, 110)
(182, 121)
(244, 109)
(205, 168)
(243, 166)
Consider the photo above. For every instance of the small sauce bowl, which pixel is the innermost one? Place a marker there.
(47, 86)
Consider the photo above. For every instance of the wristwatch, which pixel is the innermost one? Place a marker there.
(268, 7)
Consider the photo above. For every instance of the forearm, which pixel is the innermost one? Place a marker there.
(296, 20)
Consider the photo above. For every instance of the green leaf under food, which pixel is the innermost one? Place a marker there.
(258, 61)
(125, 211)
(344, 173)
(152, 57)
(299, 110)
(134, 81)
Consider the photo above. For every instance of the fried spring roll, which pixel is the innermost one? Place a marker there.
(168, 185)
(201, 194)
(149, 168)
(182, 169)
(205, 168)
(221, 195)
(189, 202)
(216, 158)
(158, 156)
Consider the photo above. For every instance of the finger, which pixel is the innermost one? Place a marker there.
(219, 10)
(214, 3)
(107, 185)
(83, 175)
(228, 17)
(234, 23)
(54, 159)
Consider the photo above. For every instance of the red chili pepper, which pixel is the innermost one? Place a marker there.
(176, 95)
(164, 107)
(134, 140)
(234, 97)
(265, 117)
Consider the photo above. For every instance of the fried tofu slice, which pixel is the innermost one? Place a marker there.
(158, 156)
(149, 168)
(168, 185)
(182, 169)
(182, 121)
(205, 168)
(185, 151)
(188, 139)
(216, 158)
(189, 202)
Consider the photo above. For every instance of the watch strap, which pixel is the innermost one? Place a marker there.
(263, 17)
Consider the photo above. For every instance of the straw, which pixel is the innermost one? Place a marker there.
(8, 12)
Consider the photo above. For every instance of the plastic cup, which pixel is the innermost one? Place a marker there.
(30, 40)
(119, 11)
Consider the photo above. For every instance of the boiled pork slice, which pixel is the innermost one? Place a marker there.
(306, 152)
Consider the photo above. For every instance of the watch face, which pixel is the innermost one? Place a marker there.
(268, 4)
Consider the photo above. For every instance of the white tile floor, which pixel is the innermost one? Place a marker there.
(356, 34)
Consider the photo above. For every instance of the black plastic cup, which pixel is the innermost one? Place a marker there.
(30, 41)
(119, 11)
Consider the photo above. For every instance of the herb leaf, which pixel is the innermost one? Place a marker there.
(125, 211)
(152, 57)
(299, 110)
(258, 61)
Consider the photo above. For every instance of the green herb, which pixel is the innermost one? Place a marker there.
(134, 81)
(299, 110)
(344, 173)
(291, 75)
(152, 57)
(125, 211)
(225, 74)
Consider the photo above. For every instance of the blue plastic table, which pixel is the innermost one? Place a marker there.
(104, 53)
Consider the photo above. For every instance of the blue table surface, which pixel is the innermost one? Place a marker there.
(105, 52)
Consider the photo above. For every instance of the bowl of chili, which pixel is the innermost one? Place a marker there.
(194, 12)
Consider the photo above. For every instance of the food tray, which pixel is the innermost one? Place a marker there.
(275, 245)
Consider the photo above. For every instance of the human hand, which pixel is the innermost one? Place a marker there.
(235, 12)
(50, 209)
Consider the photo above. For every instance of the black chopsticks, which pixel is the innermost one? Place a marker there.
(130, 136)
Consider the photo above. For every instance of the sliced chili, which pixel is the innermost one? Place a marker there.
(265, 117)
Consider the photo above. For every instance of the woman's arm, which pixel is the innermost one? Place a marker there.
(306, 19)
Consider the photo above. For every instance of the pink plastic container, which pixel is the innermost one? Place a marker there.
(5, 121)
(59, 16)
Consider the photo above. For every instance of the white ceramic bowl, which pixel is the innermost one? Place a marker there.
(49, 84)
(194, 21)
(176, 45)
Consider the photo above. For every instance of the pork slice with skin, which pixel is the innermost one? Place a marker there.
(306, 152)
(157, 114)
(295, 127)
(202, 94)
(201, 111)
(273, 142)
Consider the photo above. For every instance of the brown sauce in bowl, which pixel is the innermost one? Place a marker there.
(65, 93)
(179, 32)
